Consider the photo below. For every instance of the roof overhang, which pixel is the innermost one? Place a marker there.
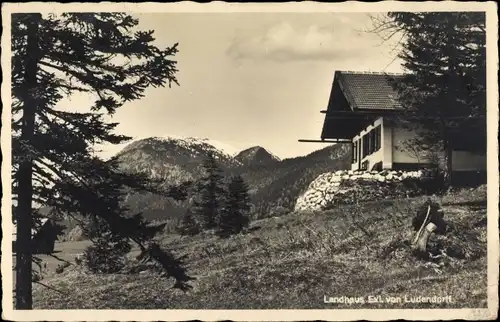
(346, 115)
(345, 125)
(325, 141)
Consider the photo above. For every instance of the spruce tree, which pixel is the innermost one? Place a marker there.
(210, 193)
(235, 213)
(444, 90)
(188, 225)
(101, 55)
(107, 252)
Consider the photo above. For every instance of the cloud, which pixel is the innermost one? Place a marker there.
(283, 42)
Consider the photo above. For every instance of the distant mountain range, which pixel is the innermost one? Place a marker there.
(172, 159)
(274, 184)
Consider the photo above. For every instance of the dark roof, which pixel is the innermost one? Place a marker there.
(368, 90)
(355, 92)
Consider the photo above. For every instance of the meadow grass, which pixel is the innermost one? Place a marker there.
(293, 261)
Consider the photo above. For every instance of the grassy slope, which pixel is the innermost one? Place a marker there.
(295, 260)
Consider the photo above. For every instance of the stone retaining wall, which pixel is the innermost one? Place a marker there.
(346, 186)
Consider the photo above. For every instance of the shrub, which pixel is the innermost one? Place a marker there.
(108, 252)
(105, 257)
(76, 234)
(78, 260)
(60, 268)
(432, 183)
(279, 211)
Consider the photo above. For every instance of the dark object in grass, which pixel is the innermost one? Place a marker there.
(435, 216)
(253, 229)
(428, 220)
(60, 268)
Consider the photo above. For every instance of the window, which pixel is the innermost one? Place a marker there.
(377, 133)
(366, 144)
(359, 150)
(372, 141)
(355, 152)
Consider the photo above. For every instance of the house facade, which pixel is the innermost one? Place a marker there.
(383, 145)
(359, 112)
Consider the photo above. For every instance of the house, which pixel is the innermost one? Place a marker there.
(359, 112)
(43, 237)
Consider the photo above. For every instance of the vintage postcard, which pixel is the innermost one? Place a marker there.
(250, 162)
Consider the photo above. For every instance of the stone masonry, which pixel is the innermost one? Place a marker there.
(327, 187)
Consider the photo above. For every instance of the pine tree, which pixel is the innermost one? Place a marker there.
(107, 252)
(210, 193)
(235, 214)
(54, 57)
(188, 225)
(444, 91)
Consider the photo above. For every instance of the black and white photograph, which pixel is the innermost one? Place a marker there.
(315, 161)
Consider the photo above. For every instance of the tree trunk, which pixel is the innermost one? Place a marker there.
(24, 219)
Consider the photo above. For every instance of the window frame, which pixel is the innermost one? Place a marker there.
(355, 151)
(371, 141)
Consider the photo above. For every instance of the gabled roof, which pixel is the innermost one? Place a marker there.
(368, 90)
(356, 100)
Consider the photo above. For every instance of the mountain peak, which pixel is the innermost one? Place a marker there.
(173, 159)
(256, 155)
(190, 143)
(191, 140)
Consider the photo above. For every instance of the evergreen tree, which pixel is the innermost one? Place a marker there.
(188, 225)
(53, 57)
(235, 214)
(210, 193)
(107, 252)
(444, 91)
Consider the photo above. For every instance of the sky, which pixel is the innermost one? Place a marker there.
(251, 79)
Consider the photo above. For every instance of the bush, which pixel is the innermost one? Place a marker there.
(76, 234)
(78, 260)
(107, 254)
(278, 211)
(61, 267)
(433, 183)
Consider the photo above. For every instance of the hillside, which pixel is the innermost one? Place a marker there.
(274, 184)
(293, 261)
(171, 160)
(276, 187)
